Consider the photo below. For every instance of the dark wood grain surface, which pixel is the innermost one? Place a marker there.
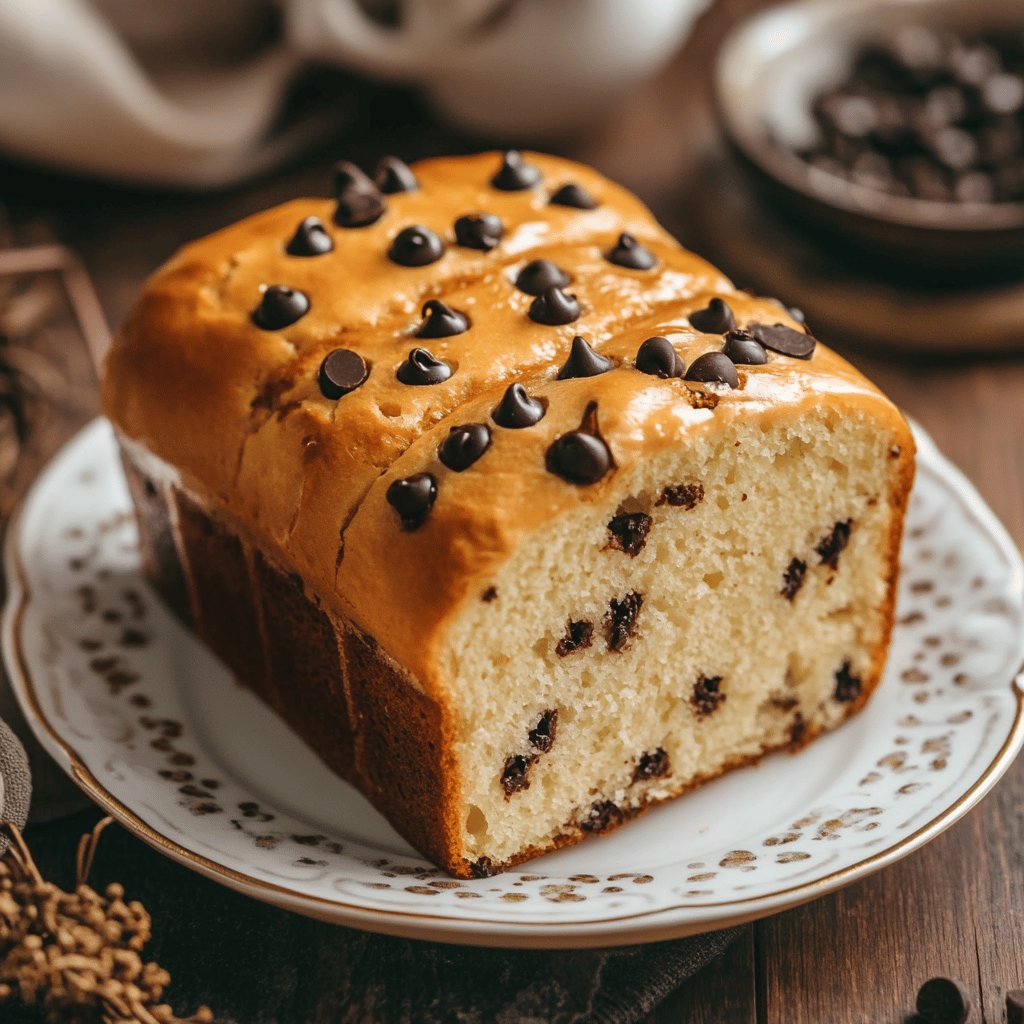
(856, 957)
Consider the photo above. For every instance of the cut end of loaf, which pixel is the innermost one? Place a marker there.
(734, 597)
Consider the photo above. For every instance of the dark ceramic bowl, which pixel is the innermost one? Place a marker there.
(768, 72)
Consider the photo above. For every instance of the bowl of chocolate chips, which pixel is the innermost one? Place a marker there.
(892, 129)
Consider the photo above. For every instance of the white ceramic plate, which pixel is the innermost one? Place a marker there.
(155, 730)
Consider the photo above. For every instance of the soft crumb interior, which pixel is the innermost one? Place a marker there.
(722, 664)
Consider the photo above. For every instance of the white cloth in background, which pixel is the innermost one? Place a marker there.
(188, 92)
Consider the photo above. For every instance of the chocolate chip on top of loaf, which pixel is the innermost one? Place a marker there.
(461, 378)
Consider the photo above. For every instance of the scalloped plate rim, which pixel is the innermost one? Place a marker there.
(465, 929)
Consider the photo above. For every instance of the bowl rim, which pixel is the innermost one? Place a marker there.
(785, 168)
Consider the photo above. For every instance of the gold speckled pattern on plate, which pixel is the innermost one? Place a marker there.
(145, 719)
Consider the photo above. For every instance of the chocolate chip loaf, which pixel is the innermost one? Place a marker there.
(521, 515)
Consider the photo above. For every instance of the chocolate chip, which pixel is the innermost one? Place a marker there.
(578, 635)
(539, 275)
(832, 545)
(554, 308)
(412, 498)
(629, 532)
(515, 776)
(1015, 1006)
(652, 765)
(685, 496)
(441, 321)
(542, 736)
(715, 318)
(280, 307)
(483, 868)
(359, 209)
(489, 595)
(580, 456)
(620, 622)
(602, 816)
(515, 174)
(347, 176)
(575, 196)
(707, 694)
(415, 246)
(421, 368)
(360, 202)
(583, 361)
(793, 578)
(394, 175)
(797, 314)
(464, 445)
(848, 685)
(311, 238)
(944, 1001)
(783, 339)
(658, 358)
(743, 348)
(517, 409)
(714, 368)
(797, 731)
(629, 253)
(341, 371)
(479, 231)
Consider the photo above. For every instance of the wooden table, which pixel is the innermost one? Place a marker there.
(956, 907)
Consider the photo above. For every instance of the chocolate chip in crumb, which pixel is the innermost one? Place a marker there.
(686, 496)
(464, 445)
(944, 1001)
(621, 620)
(652, 765)
(713, 368)
(489, 595)
(707, 694)
(554, 308)
(311, 238)
(575, 196)
(517, 409)
(784, 340)
(422, 369)
(441, 321)
(415, 246)
(793, 578)
(482, 868)
(481, 231)
(657, 357)
(394, 175)
(744, 349)
(715, 318)
(629, 253)
(412, 498)
(515, 175)
(515, 776)
(848, 686)
(280, 307)
(537, 276)
(797, 731)
(583, 361)
(629, 532)
(832, 545)
(340, 372)
(579, 635)
(542, 736)
(602, 816)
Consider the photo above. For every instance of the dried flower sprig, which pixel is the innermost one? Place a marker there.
(77, 955)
